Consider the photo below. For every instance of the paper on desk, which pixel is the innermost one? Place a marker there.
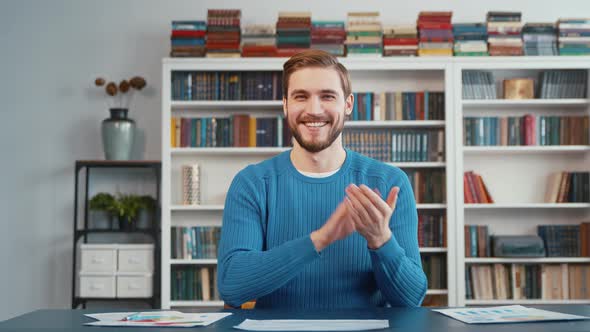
(157, 318)
(505, 314)
(313, 325)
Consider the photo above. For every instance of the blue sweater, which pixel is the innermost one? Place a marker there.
(266, 252)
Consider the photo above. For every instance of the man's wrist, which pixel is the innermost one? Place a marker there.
(377, 243)
(319, 240)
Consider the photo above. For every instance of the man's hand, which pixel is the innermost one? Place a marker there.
(370, 213)
(338, 226)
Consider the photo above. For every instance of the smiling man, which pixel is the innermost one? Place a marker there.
(309, 228)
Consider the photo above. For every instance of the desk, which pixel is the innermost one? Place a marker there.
(400, 319)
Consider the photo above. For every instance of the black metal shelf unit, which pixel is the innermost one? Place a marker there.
(82, 233)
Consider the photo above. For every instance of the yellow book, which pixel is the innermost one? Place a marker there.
(435, 52)
(252, 132)
(173, 132)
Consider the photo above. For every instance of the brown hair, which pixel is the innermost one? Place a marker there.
(315, 58)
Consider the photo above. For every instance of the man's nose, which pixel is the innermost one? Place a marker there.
(315, 106)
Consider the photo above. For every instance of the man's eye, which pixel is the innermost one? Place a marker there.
(328, 97)
(299, 97)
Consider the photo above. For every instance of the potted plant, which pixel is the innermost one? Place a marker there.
(118, 131)
(102, 205)
(146, 212)
(127, 208)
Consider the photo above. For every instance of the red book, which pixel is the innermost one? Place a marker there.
(467, 195)
(400, 41)
(435, 25)
(232, 46)
(188, 33)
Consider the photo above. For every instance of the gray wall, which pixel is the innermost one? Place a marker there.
(50, 115)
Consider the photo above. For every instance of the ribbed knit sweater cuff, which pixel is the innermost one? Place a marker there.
(390, 251)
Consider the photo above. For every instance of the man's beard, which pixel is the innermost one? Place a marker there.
(316, 146)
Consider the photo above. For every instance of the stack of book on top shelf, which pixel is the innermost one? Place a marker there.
(400, 40)
(188, 39)
(574, 36)
(540, 39)
(293, 33)
(328, 36)
(436, 34)
(363, 34)
(258, 40)
(223, 33)
(504, 33)
(471, 39)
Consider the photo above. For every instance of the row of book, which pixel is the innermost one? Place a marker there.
(194, 283)
(240, 130)
(570, 83)
(565, 240)
(523, 281)
(435, 269)
(568, 187)
(363, 34)
(216, 85)
(474, 189)
(194, 242)
(428, 185)
(398, 105)
(558, 240)
(390, 145)
(529, 129)
(432, 230)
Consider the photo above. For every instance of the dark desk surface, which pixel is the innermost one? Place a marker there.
(400, 319)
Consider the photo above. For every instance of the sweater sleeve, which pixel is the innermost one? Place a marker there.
(246, 271)
(396, 264)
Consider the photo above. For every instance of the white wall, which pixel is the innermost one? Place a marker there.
(50, 52)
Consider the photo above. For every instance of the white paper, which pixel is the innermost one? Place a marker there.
(313, 325)
(505, 314)
(157, 318)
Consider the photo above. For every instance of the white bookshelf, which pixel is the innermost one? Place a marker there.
(219, 165)
(516, 176)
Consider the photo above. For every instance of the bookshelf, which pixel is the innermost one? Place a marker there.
(218, 165)
(516, 176)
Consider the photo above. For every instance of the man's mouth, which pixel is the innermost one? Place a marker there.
(316, 124)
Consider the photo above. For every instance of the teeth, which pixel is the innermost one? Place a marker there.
(316, 124)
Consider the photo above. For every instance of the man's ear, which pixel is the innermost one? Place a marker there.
(285, 106)
(349, 103)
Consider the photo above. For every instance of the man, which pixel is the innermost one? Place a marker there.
(309, 228)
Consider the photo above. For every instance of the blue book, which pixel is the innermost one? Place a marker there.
(187, 42)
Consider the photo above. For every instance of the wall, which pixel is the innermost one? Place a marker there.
(50, 113)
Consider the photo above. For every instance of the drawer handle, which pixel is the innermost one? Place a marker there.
(97, 286)
(97, 260)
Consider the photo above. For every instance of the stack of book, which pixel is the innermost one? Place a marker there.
(436, 34)
(540, 39)
(571, 83)
(574, 36)
(188, 39)
(504, 33)
(363, 34)
(258, 40)
(475, 190)
(293, 33)
(328, 36)
(470, 39)
(223, 32)
(479, 84)
(400, 40)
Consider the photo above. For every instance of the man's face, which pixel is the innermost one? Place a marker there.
(315, 107)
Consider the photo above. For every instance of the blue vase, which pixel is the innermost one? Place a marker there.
(118, 133)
